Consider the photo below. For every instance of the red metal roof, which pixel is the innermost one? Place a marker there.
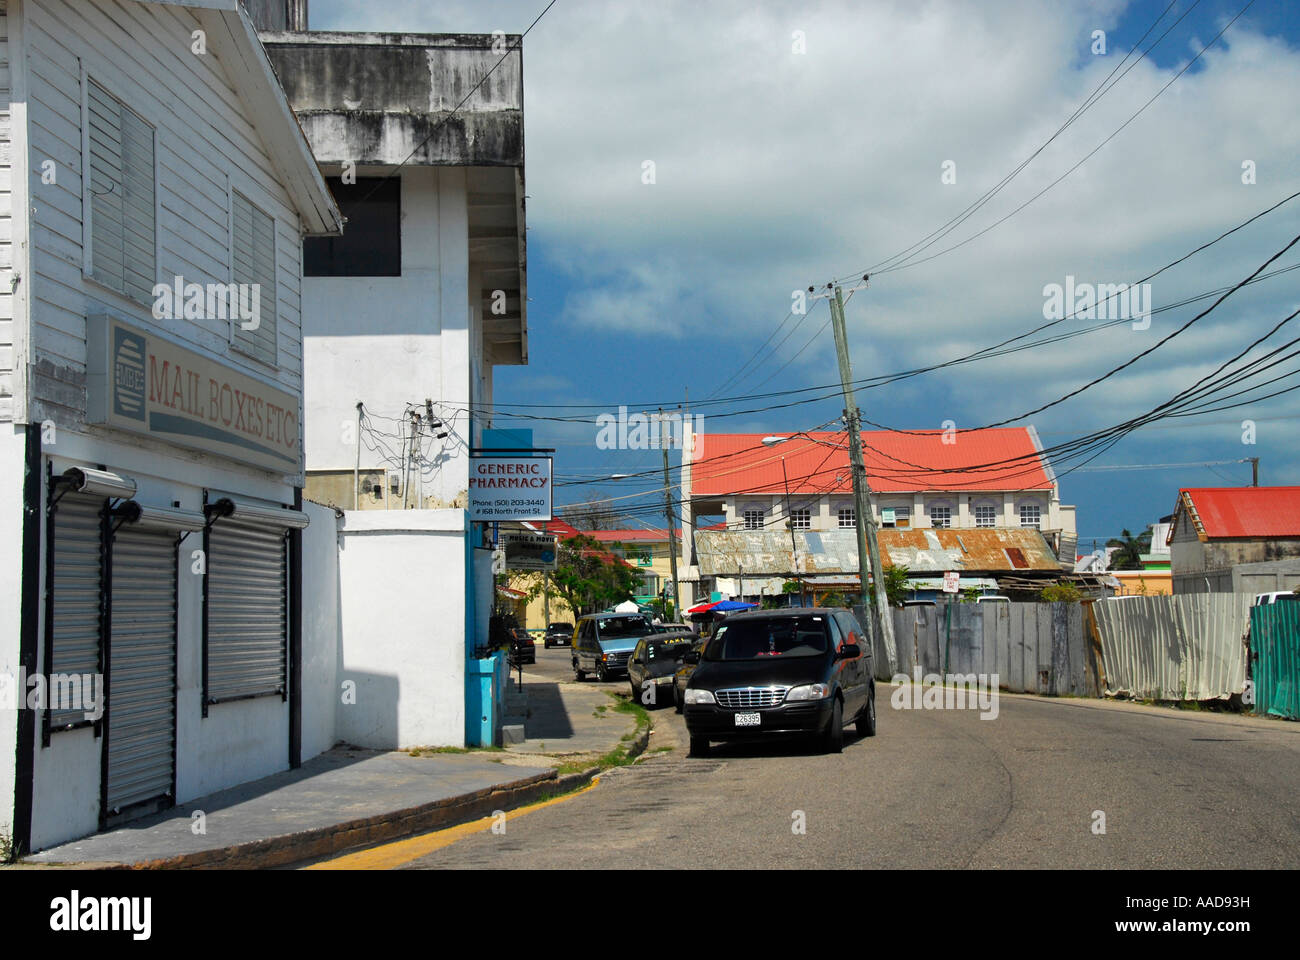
(730, 463)
(556, 526)
(1245, 511)
(631, 534)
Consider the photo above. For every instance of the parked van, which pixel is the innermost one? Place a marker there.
(603, 643)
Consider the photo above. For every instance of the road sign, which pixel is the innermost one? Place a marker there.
(950, 581)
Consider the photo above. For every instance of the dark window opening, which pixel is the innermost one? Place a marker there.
(371, 245)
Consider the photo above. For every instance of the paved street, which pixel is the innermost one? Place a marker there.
(934, 789)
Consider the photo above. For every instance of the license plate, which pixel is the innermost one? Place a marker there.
(748, 719)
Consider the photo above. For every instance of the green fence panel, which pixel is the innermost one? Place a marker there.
(1275, 644)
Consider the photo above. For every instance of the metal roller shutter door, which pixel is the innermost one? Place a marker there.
(77, 577)
(142, 659)
(247, 639)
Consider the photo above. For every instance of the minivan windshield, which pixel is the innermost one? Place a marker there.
(769, 637)
(633, 625)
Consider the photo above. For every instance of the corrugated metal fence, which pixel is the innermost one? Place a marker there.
(1032, 647)
(1275, 642)
(1189, 647)
(1186, 647)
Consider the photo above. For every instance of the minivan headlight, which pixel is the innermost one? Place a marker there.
(699, 696)
(809, 691)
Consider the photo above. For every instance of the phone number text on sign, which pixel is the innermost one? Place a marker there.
(510, 488)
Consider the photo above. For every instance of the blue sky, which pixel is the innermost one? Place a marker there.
(776, 170)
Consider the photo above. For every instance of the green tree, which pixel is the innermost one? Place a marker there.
(1060, 593)
(1129, 550)
(665, 609)
(898, 584)
(588, 578)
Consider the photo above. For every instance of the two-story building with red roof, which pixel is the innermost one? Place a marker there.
(995, 479)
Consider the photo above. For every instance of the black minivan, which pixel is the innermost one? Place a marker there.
(806, 670)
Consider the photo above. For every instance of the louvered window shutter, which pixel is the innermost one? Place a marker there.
(253, 241)
(123, 240)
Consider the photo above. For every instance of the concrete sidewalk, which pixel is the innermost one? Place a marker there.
(567, 721)
(342, 799)
(349, 798)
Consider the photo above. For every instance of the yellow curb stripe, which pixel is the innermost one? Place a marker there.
(390, 855)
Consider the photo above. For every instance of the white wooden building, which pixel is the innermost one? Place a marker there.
(150, 451)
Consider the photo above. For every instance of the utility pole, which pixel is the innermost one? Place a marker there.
(868, 546)
(672, 530)
(794, 551)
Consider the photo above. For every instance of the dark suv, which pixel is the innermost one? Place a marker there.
(558, 635)
(800, 671)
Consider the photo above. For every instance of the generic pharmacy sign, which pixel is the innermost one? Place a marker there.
(510, 488)
(144, 384)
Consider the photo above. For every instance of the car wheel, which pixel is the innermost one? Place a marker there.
(580, 674)
(834, 737)
(635, 692)
(601, 675)
(866, 724)
(699, 747)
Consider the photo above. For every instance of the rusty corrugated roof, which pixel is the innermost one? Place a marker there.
(768, 552)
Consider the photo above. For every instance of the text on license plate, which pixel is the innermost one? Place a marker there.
(747, 719)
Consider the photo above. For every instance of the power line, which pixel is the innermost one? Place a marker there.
(1092, 99)
(1086, 157)
(879, 380)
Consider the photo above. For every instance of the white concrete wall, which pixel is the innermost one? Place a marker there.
(320, 629)
(390, 341)
(402, 595)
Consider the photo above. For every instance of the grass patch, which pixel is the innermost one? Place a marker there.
(430, 751)
(618, 757)
(659, 750)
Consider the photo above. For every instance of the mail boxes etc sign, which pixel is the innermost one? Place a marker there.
(510, 488)
(144, 384)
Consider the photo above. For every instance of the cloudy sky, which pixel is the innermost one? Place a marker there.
(795, 143)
